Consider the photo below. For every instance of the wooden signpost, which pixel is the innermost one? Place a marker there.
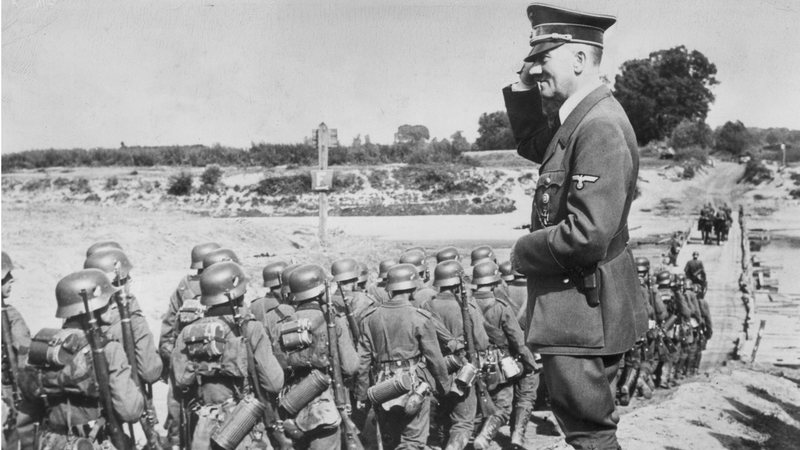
(322, 178)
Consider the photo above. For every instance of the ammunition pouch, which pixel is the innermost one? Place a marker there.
(296, 335)
(239, 423)
(191, 311)
(296, 397)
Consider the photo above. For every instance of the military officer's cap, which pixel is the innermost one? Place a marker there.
(554, 26)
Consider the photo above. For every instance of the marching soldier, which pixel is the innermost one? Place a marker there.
(350, 301)
(695, 271)
(706, 330)
(184, 308)
(656, 313)
(286, 292)
(115, 264)
(219, 255)
(16, 340)
(398, 344)
(668, 350)
(507, 349)
(448, 253)
(83, 393)
(363, 277)
(102, 245)
(226, 358)
(311, 418)
(458, 409)
(378, 289)
(424, 293)
(481, 253)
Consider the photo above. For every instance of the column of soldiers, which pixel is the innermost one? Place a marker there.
(415, 359)
(679, 328)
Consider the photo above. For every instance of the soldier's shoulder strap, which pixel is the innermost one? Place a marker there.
(369, 311)
(283, 312)
(189, 287)
(502, 301)
(425, 313)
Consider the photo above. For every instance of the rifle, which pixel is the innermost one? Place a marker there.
(270, 418)
(10, 369)
(149, 418)
(349, 428)
(484, 399)
(351, 321)
(98, 343)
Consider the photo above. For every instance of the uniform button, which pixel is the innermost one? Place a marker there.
(546, 198)
(547, 180)
(565, 280)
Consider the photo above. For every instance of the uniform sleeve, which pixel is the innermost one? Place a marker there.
(516, 339)
(19, 330)
(594, 211)
(125, 395)
(268, 370)
(348, 356)
(529, 124)
(147, 358)
(479, 336)
(426, 336)
(365, 355)
(169, 331)
(444, 336)
(706, 313)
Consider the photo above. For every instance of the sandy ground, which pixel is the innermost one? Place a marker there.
(727, 406)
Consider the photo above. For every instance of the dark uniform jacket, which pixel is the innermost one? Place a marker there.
(587, 179)
(447, 309)
(396, 331)
(502, 326)
(149, 362)
(188, 288)
(695, 271)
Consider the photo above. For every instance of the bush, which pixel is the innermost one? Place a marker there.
(180, 184)
(80, 186)
(795, 193)
(286, 185)
(379, 179)
(756, 172)
(211, 175)
(688, 172)
(347, 182)
(36, 184)
(111, 183)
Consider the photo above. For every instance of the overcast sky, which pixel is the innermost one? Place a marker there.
(93, 73)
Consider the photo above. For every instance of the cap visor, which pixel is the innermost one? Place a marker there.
(540, 48)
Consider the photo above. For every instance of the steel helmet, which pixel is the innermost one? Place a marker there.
(480, 253)
(363, 274)
(8, 266)
(414, 257)
(417, 249)
(402, 277)
(384, 266)
(271, 273)
(642, 264)
(447, 273)
(506, 272)
(200, 251)
(113, 262)
(219, 255)
(447, 254)
(663, 278)
(221, 283)
(287, 272)
(102, 245)
(687, 283)
(345, 269)
(307, 282)
(695, 254)
(93, 283)
(485, 272)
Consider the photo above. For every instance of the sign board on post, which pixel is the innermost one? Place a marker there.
(321, 180)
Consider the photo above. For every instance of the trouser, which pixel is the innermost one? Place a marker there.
(457, 414)
(173, 421)
(582, 398)
(399, 431)
(525, 391)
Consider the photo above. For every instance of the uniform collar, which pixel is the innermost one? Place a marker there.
(482, 294)
(398, 301)
(572, 102)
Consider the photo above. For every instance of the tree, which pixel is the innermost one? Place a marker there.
(732, 137)
(689, 133)
(662, 90)
(494, 132)
(411, 134)
(459, 142)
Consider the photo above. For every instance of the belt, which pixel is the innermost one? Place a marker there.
(399, 363)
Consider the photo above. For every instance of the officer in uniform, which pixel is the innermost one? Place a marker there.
(115, 264)
(695, 271)
(175, 318)
(304, 347)
(378, 289)
(19, 339)
(586, 308)
(65, 392)
(456, 410)
(399, 340)
(507, 342)
(222, 356)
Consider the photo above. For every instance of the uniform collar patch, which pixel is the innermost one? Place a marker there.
(582, 178)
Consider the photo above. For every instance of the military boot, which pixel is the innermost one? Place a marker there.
(644, 388)
(628, 385)
(522, 415)
(484, 439)
(457, 441)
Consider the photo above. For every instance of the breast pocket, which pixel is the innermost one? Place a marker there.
(548, 189)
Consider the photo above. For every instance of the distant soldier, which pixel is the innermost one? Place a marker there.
(656, 312)
(271, 310)
(310, 415)
(695, 328)
(378, 289)
(684, 334)
(424, 293)
(456, 410)
(667, 343)
(706, 331)
(507, 346)
(695, 271)
(184, 308)
(16, 340)
(398, 344)
(226, 358)
(363, 278)
(102, 245)
(350, 301)
(77, 372)
(448, 253)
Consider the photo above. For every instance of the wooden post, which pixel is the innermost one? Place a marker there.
(323, 137)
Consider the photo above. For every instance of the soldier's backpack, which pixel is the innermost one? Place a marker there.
(215, 349)
(60, 364)
(191, 309)
(313, 350)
